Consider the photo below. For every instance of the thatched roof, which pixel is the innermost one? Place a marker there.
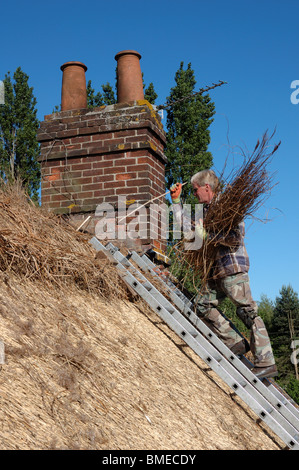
(89, 368)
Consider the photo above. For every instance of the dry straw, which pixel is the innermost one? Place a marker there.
(38, 245)
(242, 195)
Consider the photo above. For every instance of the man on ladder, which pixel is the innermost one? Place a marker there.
(229, 278)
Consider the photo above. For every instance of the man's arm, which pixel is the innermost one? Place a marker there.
(183, 222)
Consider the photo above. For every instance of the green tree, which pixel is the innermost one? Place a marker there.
(149, 94)
(19, 148)
(93, 99)
(109, 94)
(188, 134)
(266, 310)
(292, 389)
(285, 330)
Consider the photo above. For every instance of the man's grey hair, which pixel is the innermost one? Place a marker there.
(206, 177)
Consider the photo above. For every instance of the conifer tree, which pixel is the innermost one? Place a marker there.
(149, 93)
(93, 99)
(285, 329)
(19, 148)
(109, 94)
(188, 134)
(265, 310)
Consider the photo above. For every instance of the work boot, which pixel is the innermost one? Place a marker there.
(240, 348)
(265, 371)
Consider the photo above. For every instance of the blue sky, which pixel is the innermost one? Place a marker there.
(253, 45)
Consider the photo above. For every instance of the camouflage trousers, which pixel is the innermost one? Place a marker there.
(236, 288)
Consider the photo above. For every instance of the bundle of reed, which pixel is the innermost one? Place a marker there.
(240, 197)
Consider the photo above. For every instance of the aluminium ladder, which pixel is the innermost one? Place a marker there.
(185, 306)
(270, 408)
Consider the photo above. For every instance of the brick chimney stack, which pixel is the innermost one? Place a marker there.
(91, 156)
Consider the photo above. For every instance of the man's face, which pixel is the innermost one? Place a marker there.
(204, 194)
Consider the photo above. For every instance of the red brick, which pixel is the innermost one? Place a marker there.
(46, 198)
(103, 178)
(110, 157)
(138, 182)
(90, 130)
(93, 187)
(58, 204)
(81, 166)
(145, 174)
(111, 199)
(127, 191)
(128, 161)
(114, 184)
(116, 169)
(93, 145)
(80, 139)
(74, 147)
(55, 170)
(107, 192)
(102, 136)
(102, 164)
(72, 161)
(58, 197)
(52, 177)
(100, 193)
(137, 153)
(145, 189)
(83, 180)
(125, 176)
(143, 167)
(84, 194)
(144, 160)
(133, 139)
(92, 172)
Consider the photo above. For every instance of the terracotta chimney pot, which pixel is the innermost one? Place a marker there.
(73, 92)
(129, 77)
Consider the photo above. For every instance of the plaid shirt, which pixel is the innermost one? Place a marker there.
(231, 257)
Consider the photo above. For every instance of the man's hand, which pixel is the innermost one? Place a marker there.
(175, 192)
